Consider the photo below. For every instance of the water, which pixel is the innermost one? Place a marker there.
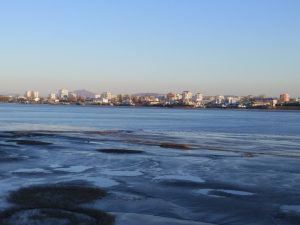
(150, 119)
(243, 166)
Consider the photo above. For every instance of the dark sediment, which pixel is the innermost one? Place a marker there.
(29, 142)
(55, 204)
(58, 195)
(120, 151)
(289, 217)
(248, 154)
(51, 216)
(175, 145)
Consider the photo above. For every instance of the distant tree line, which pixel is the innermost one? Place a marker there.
(4, 98)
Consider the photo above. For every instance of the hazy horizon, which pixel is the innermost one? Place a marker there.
(213, 47)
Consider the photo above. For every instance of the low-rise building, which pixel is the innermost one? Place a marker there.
(284, 98)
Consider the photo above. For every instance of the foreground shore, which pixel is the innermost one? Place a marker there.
(127, 177)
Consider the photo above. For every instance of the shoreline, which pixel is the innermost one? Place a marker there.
(277, 109)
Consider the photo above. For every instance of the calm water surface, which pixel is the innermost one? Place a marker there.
(149, 119)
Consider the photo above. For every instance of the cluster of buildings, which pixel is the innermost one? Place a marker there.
(186, 99)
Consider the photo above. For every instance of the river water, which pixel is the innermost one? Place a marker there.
(186, 166)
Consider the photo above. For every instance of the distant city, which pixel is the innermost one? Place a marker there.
(186, 99)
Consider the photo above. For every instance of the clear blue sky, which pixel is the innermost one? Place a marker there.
(127, 46)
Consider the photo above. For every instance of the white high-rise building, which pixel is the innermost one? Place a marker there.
(32, 95)
(219, 99)
(52, 96)
(198, 97)
(106, 95)
(187, 95)
(63, 94)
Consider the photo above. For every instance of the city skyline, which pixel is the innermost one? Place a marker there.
(142, 92)
(215, 47)
(185, 99)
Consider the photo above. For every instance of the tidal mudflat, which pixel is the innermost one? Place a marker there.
(127, 177)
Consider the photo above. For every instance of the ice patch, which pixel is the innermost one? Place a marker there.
(204, 191)
(291, 208)
(101, 181)
(125, 173)
(135, 219)
(55, 166)
(33, 170)
(233, 192)
(96, 142)
(180, 177)
(74, 169)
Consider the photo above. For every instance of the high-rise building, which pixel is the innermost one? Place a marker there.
(32, 95)
(171, 96)
(63, 94)
(187, 96)
(198, 97)
(219, 99)
(52, 96)
(106, 95)
(284, 98)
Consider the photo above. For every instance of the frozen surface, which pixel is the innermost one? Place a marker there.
(33, 170)
(212, 191)
(180, 178)
(74, 169)
(291, 208)
(123, 173)
(135, 219)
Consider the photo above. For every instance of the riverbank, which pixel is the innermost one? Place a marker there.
(277, 108)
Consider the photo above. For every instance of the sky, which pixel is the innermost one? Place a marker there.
(128, 46)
